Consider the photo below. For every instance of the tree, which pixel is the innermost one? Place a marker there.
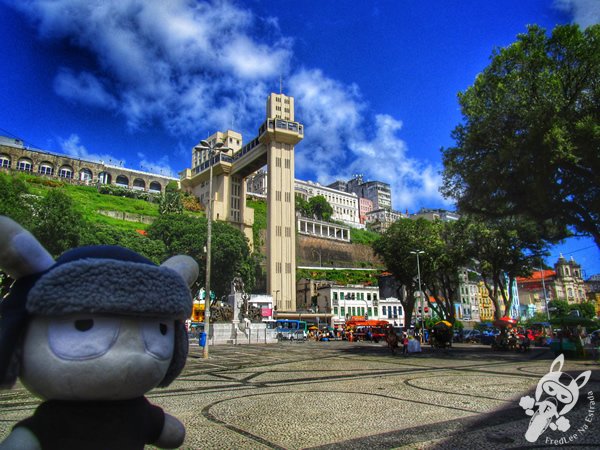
(170, 201)
(14, 202)
(57, 224)
(320, 208)
(230, 251)
(102, 234)
(502, 250)
(445, 247)
(446, 254)
(529, 144)
(303, 207)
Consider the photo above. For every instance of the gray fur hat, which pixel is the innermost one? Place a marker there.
(95, 279)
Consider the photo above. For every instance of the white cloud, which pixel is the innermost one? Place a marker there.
(160, 165)
(336, 120)
(193, 66)
(72, 146)
(585, 12)
(174, 62)
(83, 87)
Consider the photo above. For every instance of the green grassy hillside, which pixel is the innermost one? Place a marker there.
(89, 201)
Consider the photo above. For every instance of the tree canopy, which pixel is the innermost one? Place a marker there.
(442, 245)
(496, 251)
(316, 207)
(58, 225)
(230, 251)
(529, 142)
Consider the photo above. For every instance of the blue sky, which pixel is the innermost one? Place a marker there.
(375, 82)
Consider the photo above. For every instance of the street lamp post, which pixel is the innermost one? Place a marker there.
(276, 296)
(420, 252)
(545, 297)
(213, 149)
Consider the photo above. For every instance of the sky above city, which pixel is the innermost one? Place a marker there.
(140, 82)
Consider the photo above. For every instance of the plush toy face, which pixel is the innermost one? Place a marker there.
(96, 357)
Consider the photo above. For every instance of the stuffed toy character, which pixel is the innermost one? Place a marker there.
(90, 334)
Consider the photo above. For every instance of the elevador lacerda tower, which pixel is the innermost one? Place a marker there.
(273, 147)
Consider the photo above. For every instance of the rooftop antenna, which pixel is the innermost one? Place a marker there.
(280, 84)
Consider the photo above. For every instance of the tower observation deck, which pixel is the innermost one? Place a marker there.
(273, 147)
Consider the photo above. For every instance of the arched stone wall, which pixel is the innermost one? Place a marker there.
(95, 172)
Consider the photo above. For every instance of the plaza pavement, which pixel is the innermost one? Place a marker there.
(342, 395)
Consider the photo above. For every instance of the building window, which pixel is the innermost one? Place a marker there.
(5, 161)
(85, 175)
(122, 180)
(46, 169)
(65, 172)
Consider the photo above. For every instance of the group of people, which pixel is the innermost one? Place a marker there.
(513, 339)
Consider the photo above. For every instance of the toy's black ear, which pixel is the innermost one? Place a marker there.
(185, 266)
(20, 253)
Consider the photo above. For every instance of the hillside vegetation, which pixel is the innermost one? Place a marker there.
(90, 201)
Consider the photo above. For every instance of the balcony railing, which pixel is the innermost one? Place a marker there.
(220, 157)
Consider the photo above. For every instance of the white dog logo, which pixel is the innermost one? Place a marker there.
(556, 394)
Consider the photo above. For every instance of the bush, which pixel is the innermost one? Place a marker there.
(191, 203)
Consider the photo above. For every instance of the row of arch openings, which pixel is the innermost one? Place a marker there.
(66, 171)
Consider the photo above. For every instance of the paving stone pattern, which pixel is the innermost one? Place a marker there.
(341, 395)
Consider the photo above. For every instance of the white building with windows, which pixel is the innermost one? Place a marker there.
(349, 300)
(390, 309)
(344, 204)
(345, 301)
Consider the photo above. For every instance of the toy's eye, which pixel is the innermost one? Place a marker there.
(159, 337)
(564, 397)
(82, 337)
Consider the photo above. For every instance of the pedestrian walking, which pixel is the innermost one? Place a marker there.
(405, 344)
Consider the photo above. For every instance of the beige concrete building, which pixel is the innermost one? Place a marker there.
(273, 147)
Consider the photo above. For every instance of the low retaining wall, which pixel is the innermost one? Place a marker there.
(233, 334)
